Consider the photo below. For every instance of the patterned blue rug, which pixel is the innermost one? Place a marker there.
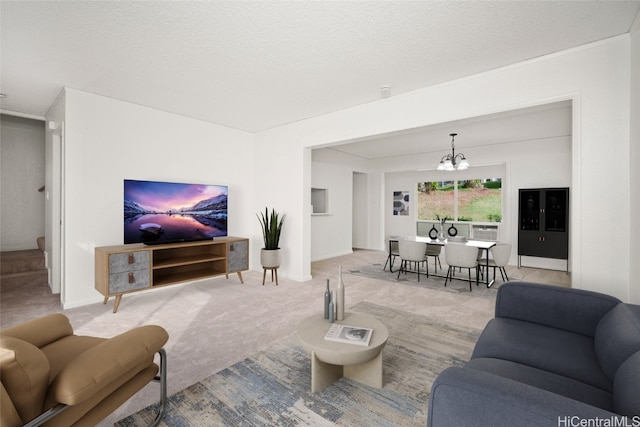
(273, 387)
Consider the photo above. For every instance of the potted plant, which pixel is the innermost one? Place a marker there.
(271, 224)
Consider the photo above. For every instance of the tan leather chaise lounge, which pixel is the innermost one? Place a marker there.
(52, 377)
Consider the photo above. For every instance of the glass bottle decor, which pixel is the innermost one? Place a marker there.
(442, 234)
(340, 296)
(331, 308)
(327, 300)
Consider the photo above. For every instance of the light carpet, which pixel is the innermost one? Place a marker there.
(272, 388)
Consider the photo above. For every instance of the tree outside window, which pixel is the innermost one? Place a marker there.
(477, 200)
(436, 200)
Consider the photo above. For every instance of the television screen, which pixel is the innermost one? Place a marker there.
(167, 212)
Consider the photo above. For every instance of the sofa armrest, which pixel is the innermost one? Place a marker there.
(573, 310)
(115, 360)
(469, 397)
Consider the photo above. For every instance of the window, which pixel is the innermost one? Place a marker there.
(477, 200)
(436, 199)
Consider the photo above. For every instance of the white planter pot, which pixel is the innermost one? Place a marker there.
(270, 258)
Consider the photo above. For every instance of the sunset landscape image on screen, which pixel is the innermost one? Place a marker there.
(159, 212)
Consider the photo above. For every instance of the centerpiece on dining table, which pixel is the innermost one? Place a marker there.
(441, 234)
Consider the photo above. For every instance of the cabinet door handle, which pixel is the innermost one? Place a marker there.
(131, 278)
(132, 259)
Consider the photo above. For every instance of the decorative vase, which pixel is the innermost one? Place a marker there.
(433, 233)
(327, 300)
(340, 296)
(270, 258)
(442, 234)
(331, 308)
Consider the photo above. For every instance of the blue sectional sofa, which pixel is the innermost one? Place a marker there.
(552, 356)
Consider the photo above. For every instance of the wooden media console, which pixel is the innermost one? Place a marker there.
(131, 268)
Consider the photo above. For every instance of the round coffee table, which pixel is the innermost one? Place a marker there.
(332, 360)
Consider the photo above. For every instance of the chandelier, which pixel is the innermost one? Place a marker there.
(453, 161)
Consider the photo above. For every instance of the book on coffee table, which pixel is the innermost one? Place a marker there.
(349, 334)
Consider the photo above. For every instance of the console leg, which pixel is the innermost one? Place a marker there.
(117, 303)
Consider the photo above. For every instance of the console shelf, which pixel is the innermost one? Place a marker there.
(131, 268)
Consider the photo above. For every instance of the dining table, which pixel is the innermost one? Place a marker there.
(484, 245)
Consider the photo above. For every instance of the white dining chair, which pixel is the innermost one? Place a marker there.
(500, 254)
(412, 252)
(392, 253)
(434, 251)
(462, 256)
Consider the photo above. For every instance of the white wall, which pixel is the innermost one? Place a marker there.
(107, 141)
(596, 77)
(360, 214)
(332, 234)
(22, 173)
(54, 173)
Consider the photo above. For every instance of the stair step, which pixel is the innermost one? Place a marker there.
(17, 280)
(12, 262)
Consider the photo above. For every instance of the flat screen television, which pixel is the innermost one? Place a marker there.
(167, 212)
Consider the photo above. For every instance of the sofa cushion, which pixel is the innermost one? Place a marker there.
(61, 352)
(626, 387)
(25, 375)
(41, 331)
(574, 310)
(546, 348)
(617, 337)
(8, 414)
(544, 380)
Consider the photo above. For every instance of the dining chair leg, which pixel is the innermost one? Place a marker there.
(391, 259)
(470, 277)
(505, 278)
(448, 276)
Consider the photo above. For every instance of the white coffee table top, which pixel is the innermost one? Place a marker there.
(311, 334)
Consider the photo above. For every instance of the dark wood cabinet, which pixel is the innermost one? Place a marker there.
(543, 223)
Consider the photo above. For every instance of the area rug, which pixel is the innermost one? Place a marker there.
(273, 387)
(375, 271)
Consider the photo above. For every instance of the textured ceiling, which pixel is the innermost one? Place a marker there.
(257, 65)
(526, 124)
